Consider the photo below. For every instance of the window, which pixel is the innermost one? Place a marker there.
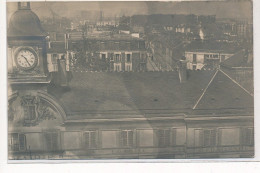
(247, 136)
(17, 142)
(116, 45)
(51, 141)
(128, 67)
(142, 67)
(117, 58)
(55, 56)
(128, 45)
(127, 138)
(223, 57)
(206, 56)
(143, 58)
(215, 56)
(128, 58)
(174, 137)
(90, 139)
(194, 58)
(209, 138)
(194, 67)
(102, 45)
(103, 56)
(205, 138)
(117, 67)
(163, 137)
(141, 45)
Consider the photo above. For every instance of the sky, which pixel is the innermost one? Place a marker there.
(222, 9)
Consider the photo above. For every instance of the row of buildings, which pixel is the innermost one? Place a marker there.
(125, 52)
(203, 41)
(120, 52)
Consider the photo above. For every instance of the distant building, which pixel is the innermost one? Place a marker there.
(119, 52)
(207, 55)
(182, 29)
(240, 68)
(107, 23)
(165, 50)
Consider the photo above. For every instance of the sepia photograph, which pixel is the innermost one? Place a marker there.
(105, 80)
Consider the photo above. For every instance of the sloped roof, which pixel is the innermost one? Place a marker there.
(131, 94)
(239, 59)
(211, 46)
(138, 93)
(244, 76)
(222, 92)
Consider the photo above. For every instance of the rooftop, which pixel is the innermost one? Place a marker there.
(239, 59)
(211, 46)
(132, 94)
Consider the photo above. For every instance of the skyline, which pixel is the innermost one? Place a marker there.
(112, 9)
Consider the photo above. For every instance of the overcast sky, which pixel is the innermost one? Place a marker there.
(222, 9)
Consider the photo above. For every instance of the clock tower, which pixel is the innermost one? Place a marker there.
(29, 103)
(27, 59)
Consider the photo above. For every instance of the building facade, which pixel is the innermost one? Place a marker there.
(118, 53)
(198, 59)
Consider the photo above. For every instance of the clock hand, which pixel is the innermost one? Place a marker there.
(26, 60)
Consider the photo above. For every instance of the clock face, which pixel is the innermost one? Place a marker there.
(26, 59)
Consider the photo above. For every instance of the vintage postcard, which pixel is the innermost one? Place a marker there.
(130, 80)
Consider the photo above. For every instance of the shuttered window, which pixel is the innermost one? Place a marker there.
(90, 139)
(51, 141)
(247, 136)
(17, 142)
(127, 138)
(163, 136)
(206, 137)
(174, 137)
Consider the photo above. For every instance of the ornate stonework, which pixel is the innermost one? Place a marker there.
(29, 110)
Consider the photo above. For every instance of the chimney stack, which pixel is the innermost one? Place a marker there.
(24, 6)
(182, 68)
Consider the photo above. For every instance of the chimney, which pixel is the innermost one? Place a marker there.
(182, 68)
(24, 6)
